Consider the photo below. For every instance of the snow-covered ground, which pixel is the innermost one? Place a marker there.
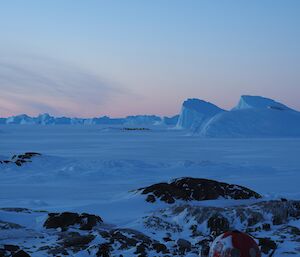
(94, 168)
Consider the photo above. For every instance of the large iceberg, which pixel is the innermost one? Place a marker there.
(195, 112)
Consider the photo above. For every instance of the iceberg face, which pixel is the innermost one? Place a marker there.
(195, 112)
(247, 101)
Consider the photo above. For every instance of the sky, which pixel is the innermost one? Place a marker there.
(93, 58)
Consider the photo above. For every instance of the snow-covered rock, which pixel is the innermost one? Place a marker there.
(195, 189)
(195, 112)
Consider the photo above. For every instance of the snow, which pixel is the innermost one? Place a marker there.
(78, 160)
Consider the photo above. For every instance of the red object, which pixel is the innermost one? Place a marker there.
(234, 244)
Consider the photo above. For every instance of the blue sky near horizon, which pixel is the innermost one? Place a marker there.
(90, 58)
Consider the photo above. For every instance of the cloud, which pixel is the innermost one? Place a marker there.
(38, 85)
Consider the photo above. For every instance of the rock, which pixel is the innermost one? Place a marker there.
(204, 247)
(61, 220)
(267, 245)
(9, 225)
(24, 210)
(89, 221)
(294, 231)
(160, 248)
(2, 251)
(254, 218)
(44, 248)
(21, 253)
(103, 251)
(28, 155)
(266, 226)
(217, 224)
(20, 159)
(141, 249)
(125, 241)
(66, 219)
(278, 220)
(11, 248)
(189, 189)
(57, 250)
(150, 198)
(195, 231)
(160, 224)
(168, 239)
(184, 245)
(76, 241)
(19, 162)
(167, 198)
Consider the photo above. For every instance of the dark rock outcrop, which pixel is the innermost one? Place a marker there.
(126, 239)
(66, 219)
(197, 189)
